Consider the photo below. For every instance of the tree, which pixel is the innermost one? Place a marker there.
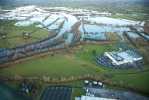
(72, 78)
(86, 50)
(46, 79)
(106, 81)
(94, 52)
(121, 83)
(130, 86)
(55, 80)
(97, 78)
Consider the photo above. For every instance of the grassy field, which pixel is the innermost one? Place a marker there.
(17, 40)
(137, 80)
(77, 93)
(130, 17)
(113, 36)
(16, 32)
(56, 66)
(72, 65)
(9, 28)
(30, 27)
(41, 33)
(2, 45)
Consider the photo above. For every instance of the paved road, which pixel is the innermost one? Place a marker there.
(115, 94)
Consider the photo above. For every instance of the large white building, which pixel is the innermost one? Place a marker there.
(122, 57)
(92, 98)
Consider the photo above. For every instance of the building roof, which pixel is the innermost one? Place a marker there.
(121, 57)
(95, 98)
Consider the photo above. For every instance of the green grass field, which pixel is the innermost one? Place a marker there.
(139, 81)
(11, 30)
(72, 65)
(17, 40)
(41, 33)
(57, 66)
(30, 27)
(2, 45)
(130, 17)
(77, 93)
(16, 32)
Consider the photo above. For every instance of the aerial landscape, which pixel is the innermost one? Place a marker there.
(74, 49)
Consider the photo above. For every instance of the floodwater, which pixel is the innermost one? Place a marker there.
(133, 35)
(147, 36)
(32, 14)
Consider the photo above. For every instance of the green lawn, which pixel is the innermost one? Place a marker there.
(88, 56)
(41, 33)
(130, 17)
(17, 40)
(77, 93)
(30, 27)
(9, 25)
(57, 66)
(2, 45)
(73, 65)
(16, 32)
(139, 81)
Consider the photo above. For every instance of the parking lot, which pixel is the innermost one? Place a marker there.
(113, 94)
(58, 92)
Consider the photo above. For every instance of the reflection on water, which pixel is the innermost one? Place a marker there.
(33, 14)
(133, 35)
(147, 36)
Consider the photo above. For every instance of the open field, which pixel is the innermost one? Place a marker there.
(77, 93)
(18, 40)
(79, 63)
(2, 45)
(16, 32)
(73, 65)
(56, 66)
(10, 29)
(137, 80)
(30, 27)
(130, 17)
(41, 33)
(113, 36)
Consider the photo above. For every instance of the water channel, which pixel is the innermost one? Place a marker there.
(93, 31)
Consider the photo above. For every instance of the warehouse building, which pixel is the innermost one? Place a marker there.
(122, 57)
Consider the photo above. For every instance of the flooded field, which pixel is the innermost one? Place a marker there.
(78, 23)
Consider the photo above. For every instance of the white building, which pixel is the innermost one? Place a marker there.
(122, 57)
(92, 98)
